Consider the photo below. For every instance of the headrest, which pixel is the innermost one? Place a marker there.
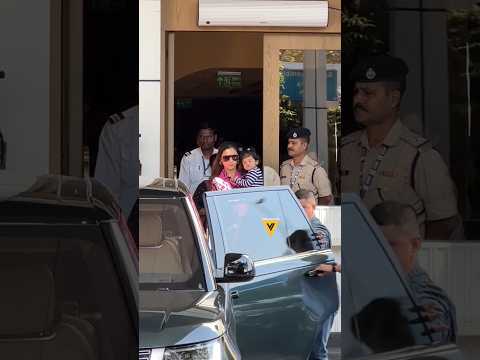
(27, 301)
(150, 229)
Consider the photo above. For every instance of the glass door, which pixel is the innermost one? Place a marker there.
(302, 77)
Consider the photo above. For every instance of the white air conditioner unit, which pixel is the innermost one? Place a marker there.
(291, 13)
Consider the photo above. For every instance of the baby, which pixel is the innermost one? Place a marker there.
(254, 175)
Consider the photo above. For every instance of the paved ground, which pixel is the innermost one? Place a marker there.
(334, 354)
(334, 347)
(470, 346)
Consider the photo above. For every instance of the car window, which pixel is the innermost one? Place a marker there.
(63, 280)
(295, 219)
(169, 256)
(254, 224)
(378, 313)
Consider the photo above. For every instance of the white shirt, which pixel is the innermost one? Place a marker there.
(194, 168)
(118, 164)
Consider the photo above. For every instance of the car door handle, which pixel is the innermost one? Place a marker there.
(235, 294)
(311, 273)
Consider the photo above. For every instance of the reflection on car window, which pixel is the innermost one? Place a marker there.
(297, 223)
(378, 313)
(168, 254)
(62, 280)
(254, 224)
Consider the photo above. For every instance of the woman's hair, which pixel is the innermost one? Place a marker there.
(211, 160)
(217, 165)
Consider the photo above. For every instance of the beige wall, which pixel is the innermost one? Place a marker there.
(196, 51)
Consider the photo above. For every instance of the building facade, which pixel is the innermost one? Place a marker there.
(233, 77)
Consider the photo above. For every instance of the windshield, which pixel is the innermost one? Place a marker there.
(169, 257)
(63, 280)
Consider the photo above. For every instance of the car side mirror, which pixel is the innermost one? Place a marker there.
(238, 268)
(300, 241)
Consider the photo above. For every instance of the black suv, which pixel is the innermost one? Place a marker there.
(68, 274)
(246, 291)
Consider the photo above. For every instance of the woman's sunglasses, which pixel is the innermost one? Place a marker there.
(228, 157)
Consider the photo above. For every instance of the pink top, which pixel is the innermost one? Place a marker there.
(222, 182)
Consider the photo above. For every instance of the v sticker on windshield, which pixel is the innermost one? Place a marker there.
(270, 226)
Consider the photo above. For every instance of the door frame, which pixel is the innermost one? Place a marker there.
(272, 44)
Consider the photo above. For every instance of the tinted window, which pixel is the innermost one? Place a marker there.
(376, 306)
(294, 216)
(169, 258)
(62, 280)
(254, 224)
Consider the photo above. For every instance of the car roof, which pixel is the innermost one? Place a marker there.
(164, 188)
(250, 190)
(60, 199)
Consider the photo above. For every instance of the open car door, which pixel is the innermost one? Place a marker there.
(277, 310)
(380, 317)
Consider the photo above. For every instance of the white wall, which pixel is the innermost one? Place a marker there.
(331, 217)
(149, 87)
(25, 92)
(455, 268)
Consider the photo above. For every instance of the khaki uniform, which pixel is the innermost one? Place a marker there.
(308, 175)
(410, 172)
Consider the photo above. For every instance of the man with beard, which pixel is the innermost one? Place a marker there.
(195, 164)
(387, 161)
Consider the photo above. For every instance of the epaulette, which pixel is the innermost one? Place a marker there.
(415, 140)
(115, 118)
(313, 162)
(285, 163)
(351, 138)
(187, 154)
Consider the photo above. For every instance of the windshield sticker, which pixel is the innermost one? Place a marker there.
(270, 226)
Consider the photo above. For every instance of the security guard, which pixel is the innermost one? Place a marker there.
(118, 165)
(195, 164)
(301, 171)
(387, 161)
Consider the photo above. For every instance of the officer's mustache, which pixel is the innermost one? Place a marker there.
(359, 107)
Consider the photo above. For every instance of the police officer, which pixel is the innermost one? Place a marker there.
(387, 161)
(195, 165)
(301, 171)
(118, 164)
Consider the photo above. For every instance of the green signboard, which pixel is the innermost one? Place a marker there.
(184, 103)
(229, 79)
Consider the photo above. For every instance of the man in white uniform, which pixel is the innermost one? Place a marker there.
(195, 164)
(118, 164)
